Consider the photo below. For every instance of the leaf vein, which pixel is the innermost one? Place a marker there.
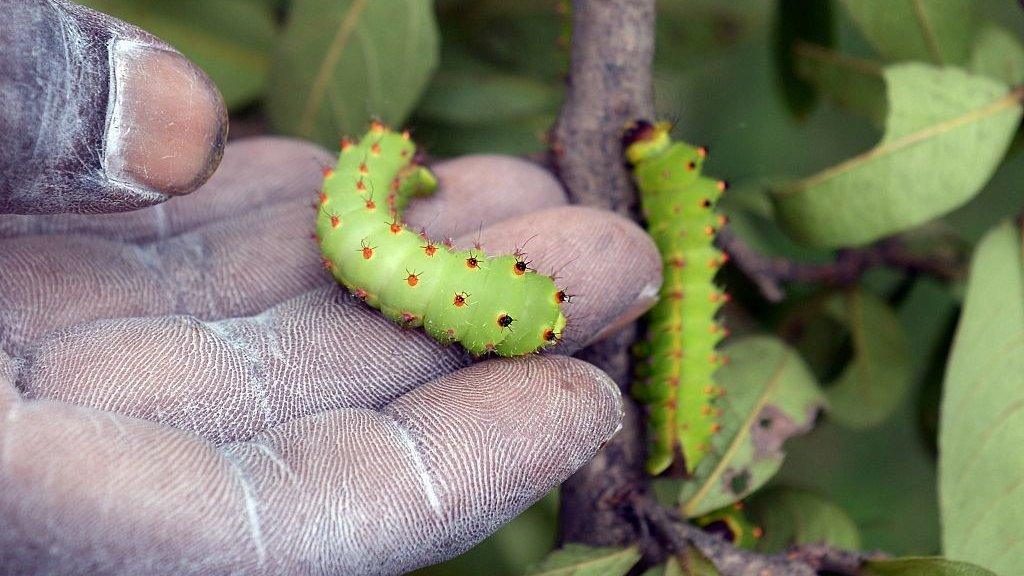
(327, 66)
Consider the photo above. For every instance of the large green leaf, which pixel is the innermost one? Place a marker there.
(341, 63)
(576, 560)
(998, 54)
(728, 100)
(229, 39)
(885, 477)
(981, 453)
(792, 517)
(770, 396)
(938, 31)
(695, 31)
(945, 135)
(523, 136)
(852, 83)
(877, 378)
(923, 567)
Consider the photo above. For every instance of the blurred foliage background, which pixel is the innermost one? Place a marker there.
(756, 81)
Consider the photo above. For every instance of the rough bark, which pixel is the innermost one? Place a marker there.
(609, 85)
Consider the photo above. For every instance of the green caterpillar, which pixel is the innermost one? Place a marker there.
(488, 304)
(675, 377)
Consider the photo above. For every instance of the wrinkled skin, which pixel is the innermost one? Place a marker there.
(183, 389)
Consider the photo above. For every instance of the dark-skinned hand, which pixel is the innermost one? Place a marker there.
(184, 389)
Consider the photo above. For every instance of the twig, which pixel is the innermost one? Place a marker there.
(731, 561)
(609, 85)
(769, 273)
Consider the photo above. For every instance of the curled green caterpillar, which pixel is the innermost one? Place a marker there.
(487, 303)
(675, 375)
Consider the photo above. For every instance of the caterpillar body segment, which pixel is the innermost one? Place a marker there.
(675, 376)
(488, 304)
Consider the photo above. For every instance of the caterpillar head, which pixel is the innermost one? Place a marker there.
(643, 139)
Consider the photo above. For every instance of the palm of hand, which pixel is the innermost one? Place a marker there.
(187, 391)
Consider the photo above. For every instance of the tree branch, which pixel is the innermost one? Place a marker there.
(608, 502)
(769, 273)
(731, 561)
(609, 85)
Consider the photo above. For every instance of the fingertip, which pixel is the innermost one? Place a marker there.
(167, 123)
(549, 413)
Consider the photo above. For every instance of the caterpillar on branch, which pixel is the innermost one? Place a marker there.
(486, 303)
(678, 358)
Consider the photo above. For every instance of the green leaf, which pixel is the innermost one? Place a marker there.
(998, 54)
(791, 517)
(981, 456)
(945, 135)
(797, 22)
(937, 31)
(696, 32)
(462, 98)
(877, 378)
(885, 477)
(923, 567)
(576, 560)
(852, 83)
(342, 63)
(770, 396)
(229, 39)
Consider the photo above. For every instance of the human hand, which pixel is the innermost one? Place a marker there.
(185, 390)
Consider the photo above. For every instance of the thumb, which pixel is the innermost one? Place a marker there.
(97, 115)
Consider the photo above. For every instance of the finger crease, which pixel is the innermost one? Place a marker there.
(242, 336)
(426, 479)
(275, 459)
(251, 506)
